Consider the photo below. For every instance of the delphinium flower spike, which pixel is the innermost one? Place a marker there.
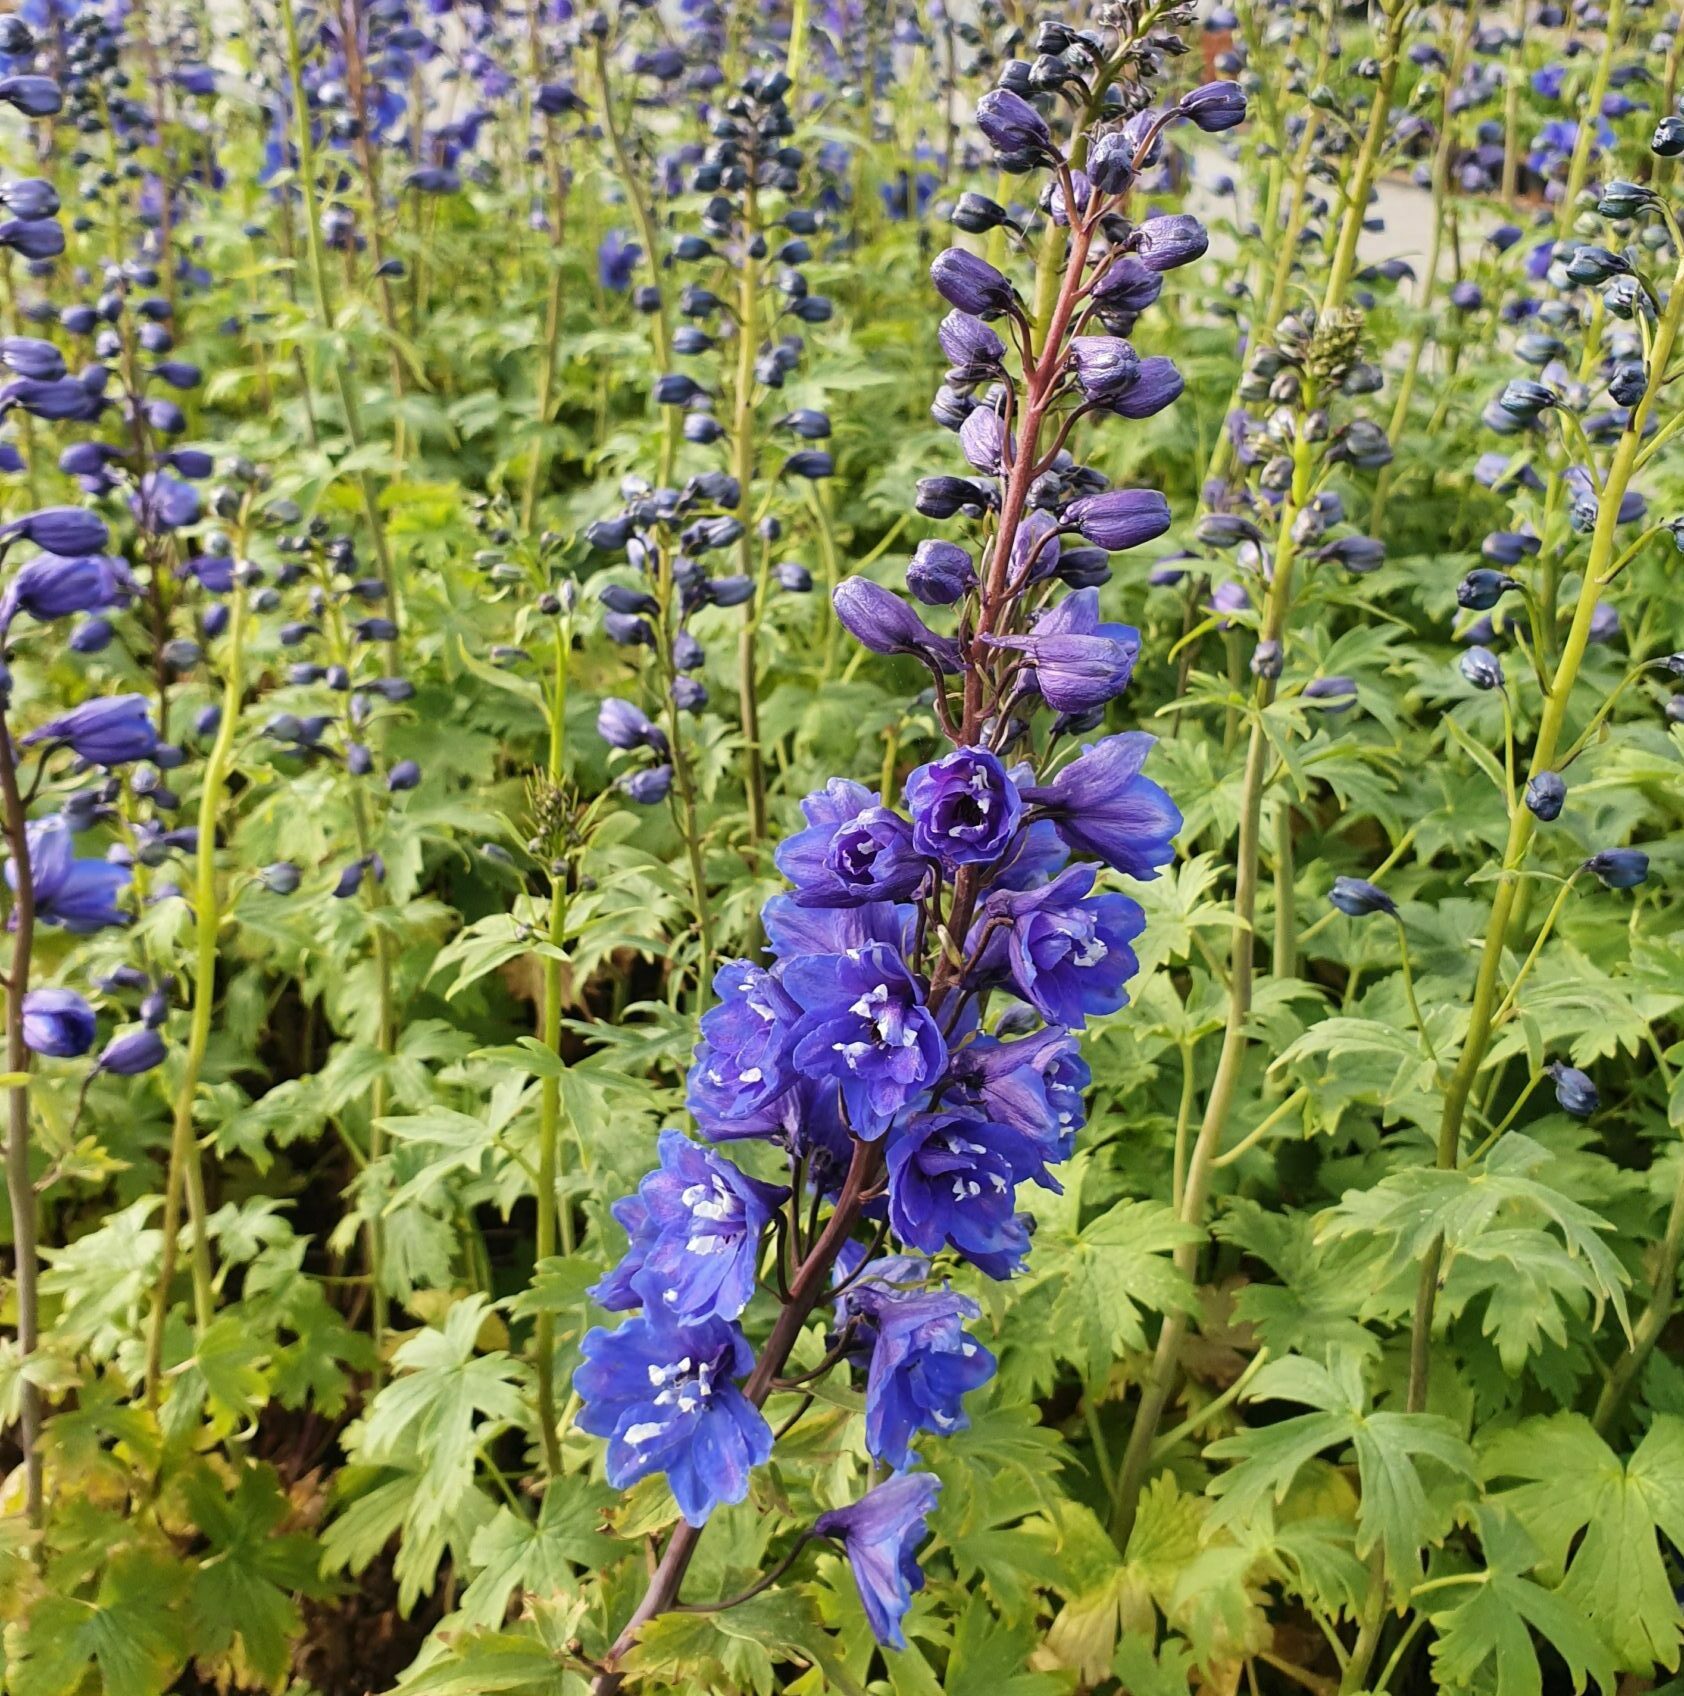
(872, 1049)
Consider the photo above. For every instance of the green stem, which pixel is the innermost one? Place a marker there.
(344, 377)
(743, 465)
(1662, 1300)
(20, 1192)
(660, 320)
(185, 1169)
(1161, 1378)
(549, 1089)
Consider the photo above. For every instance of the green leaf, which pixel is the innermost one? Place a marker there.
(1599, 1521)
(1495, 1624)
(516, 1553)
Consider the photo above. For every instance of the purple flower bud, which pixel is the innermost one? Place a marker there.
(129, 1055)
(33, 238)
(940, 573)
(404, 775)
(1170, 240)
(1574, 1091)
(1127, 285)
(1356, 897)
(1619, 868)
(58, 1023)
(1111, 162)
(970, 346)
(1336, 694)
(1076, 663)
(1120, 519)
(971, 284)
(1013, 127)
(1546, 794)
(649, 786)
(35, 97)
(1105, 367)
(29, 356)
(350, 880)
(1157, 384)
(884, 623)
(107, 731)
(1482, 668)
(1214, 107)
(622, 725)
(627, 632)
(63, 530)
(280, 878)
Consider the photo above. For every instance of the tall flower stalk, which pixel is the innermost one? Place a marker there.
(863, 1051)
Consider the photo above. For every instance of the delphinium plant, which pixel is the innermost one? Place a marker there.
(874, 1052)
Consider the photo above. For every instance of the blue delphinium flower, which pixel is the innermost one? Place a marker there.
(965, 808)
(1104, 807)
(865, 1024)
(665, 1395)
(952, 1179)
(696, 1240)
(879, 1533)
(57, 1022)
(1064, 950)
(854, 850)
(923, 1364)
(742, 1063)
(81, 895)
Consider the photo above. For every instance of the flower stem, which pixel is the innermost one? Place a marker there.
(743, 464)
(343, 375)
(185, 1169)
(20, 1192)
(549, 1089)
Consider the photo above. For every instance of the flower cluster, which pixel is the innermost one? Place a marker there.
(909, 1046)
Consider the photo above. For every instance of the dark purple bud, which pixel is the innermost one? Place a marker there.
(971, 284)
(1170, 240)
(1120, 518)
(940, 573)
(1574, 1091)
(57, 1023)
(1483, 588)
(1013, 127)
(647, 787)
(884, 623)
(623, 725)
(35, 97)
(1157, 384)
(1619, 868)
(67, 531)
(1335, 694)
(129, 1055)
(406, 774)
(1545, 795)
(1482, 668)
(280, 878)
(1214, 107)
(1356, 897)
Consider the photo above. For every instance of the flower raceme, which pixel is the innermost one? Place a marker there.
(905, 1049)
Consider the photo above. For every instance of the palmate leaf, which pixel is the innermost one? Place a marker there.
(242, 1601)
(740, 1649)
(1407, 1211)
(514, 1553)
(1578, 1496)
(1112, 1269)
(1394, 1512)
(131, 1639)
(485, 1663)
(1495, 1625)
